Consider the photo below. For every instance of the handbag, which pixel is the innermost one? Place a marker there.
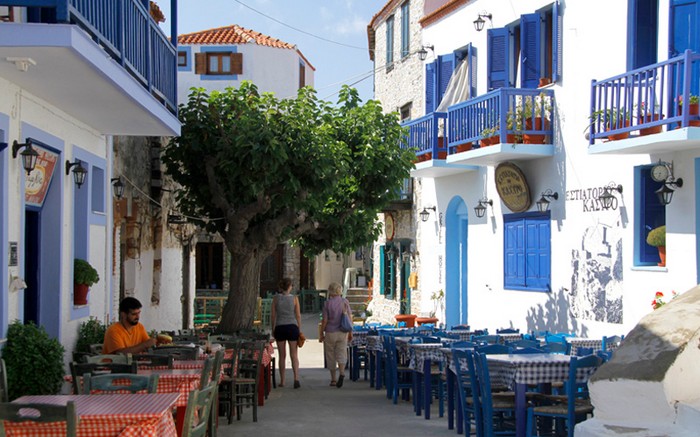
(345, 322)
(301, 339)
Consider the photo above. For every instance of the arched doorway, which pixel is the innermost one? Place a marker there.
(456, 227)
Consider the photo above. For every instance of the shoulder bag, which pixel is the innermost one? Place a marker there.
(345, 321)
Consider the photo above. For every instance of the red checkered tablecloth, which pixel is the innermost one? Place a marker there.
(113, 415)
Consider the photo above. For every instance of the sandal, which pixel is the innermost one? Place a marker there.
(340, 381)
(333, 383)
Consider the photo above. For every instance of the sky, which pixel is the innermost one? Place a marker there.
(341, 21)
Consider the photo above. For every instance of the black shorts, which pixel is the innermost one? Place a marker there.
(286, 333)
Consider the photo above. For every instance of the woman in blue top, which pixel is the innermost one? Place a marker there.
(335, 341)
(286, 320)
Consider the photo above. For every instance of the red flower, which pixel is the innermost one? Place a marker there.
(659, 294)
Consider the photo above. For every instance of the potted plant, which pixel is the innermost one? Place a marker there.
(514, 124)
(646, 114)
(34, 361)
(612, 118)
(535, 113)
(657, 238)
(489, 136)
(84, 276)
(693, 107)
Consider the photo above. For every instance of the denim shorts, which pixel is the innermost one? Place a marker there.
(286, 333)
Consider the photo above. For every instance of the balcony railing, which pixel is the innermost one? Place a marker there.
(424, 136)
(647, 99)
(505, 115)
(125, 29)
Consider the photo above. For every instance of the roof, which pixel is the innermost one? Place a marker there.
(235, 34)
(375, 21)
(442, 11)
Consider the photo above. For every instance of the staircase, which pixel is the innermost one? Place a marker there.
(357, 298)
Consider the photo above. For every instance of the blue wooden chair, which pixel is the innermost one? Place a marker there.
(493, 349)
(574, 406)
(399, 377)
(468, 390)
(611, 343)
(16, 412)
(486, 339)
(556, 344)
(493, 408)
(127, 381)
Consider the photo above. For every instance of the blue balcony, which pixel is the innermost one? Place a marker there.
(107, 63)
(642, 111)
(502, 125)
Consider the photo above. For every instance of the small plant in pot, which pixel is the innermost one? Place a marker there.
(90, 332)
(657, 238)
(84, 276)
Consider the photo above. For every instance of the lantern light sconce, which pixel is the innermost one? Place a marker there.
(118, 187)
(479, 22)
(665, 193)
(425, 214)
(543, 203)
(29, 155)
(607, 198)
(423, 52)
(79, 172)
(480, 209)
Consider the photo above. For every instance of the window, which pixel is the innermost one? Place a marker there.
(405, 32)
(405, 111)
(302, 75)
(439, 72)
(182, 59)
(649, 214)
(218, 63)
(387, 271)
(97, 183)
(527, 251)
(643, 32)
(389, 42)
(535, 40)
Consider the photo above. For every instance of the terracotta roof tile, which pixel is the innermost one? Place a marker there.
(233, 34)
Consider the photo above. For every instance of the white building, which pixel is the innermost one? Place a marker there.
(67, 90)
(578, 266)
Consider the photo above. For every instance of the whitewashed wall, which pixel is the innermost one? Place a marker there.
(271, 69)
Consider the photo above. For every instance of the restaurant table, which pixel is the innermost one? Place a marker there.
(374, 350)
(359, 340)
(122, 415)
(520, 370)
(423, 355)
(577, 342)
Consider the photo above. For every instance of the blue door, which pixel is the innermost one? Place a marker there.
(456, 296)
(684, 34)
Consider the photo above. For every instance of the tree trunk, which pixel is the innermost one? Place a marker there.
(243, 292)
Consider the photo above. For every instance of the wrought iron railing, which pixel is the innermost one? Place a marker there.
(647, 99)
(126, 31)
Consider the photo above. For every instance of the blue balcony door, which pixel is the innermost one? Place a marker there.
(684, 33)
(643, 33)
(456, 295)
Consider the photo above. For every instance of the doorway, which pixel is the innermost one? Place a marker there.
(456, 295)
(32, 267)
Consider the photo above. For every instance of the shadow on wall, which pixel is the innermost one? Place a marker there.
(554, 316)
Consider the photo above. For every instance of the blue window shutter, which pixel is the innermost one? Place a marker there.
(389, 41)
(446, 65)
(430, 71)
(498, 62)
(381, 269)
(514, 253)
(531, 50)
(405, 32)
(557, 48)
(471, 53)
(538, 253)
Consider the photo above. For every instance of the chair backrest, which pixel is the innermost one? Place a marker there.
(77, 370)
(488, 339)
(199, 406)
(186, 339)
(110, 358)
(217, 363)
(266, 312)
(250, 358)
(494, 349)
(145, 361)
(4, 393)
(177, 352)
(508, 331)
(483, 377)
(14, 412)
(205, 376)
(126, 381)
(575, 389)
(542, 333)
(96, 348)
(611, 343)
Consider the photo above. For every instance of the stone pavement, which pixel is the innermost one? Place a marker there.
(355, 410)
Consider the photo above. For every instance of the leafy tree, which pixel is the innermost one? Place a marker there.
(261, 171)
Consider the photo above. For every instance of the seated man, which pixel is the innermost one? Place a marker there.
(127, 336)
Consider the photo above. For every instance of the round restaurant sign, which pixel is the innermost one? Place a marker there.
(512, 187)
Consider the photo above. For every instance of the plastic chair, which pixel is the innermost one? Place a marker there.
(246, 377)
(575, 406)
(106, 383)
(42, 413)
(198, 413)
(77, 370)
(110, 358)
(492, 407)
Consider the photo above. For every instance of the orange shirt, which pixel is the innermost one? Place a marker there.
(117, 337)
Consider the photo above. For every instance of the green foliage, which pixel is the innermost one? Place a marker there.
(84, 273)
(34, 361)
(293, 169)
(90, 332)
(657, 237)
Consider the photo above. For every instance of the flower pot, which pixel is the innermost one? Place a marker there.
(463, 147)
(80, 292)
(650, 130)
(535, 138)
(513, 139)
(425, 320)
(409, 319)
(662, 256)
(544, 81)
(693, 109)
(494, 140)
(620, 136)
(442, 154)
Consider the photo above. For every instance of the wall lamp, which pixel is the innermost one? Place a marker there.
(425, 214)
(423, 52)
(543, 203)
(480, 209)
(607, 198)
(117, 187)
(79, 172)
(665, 193)
(479, 22)
(29, 155)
